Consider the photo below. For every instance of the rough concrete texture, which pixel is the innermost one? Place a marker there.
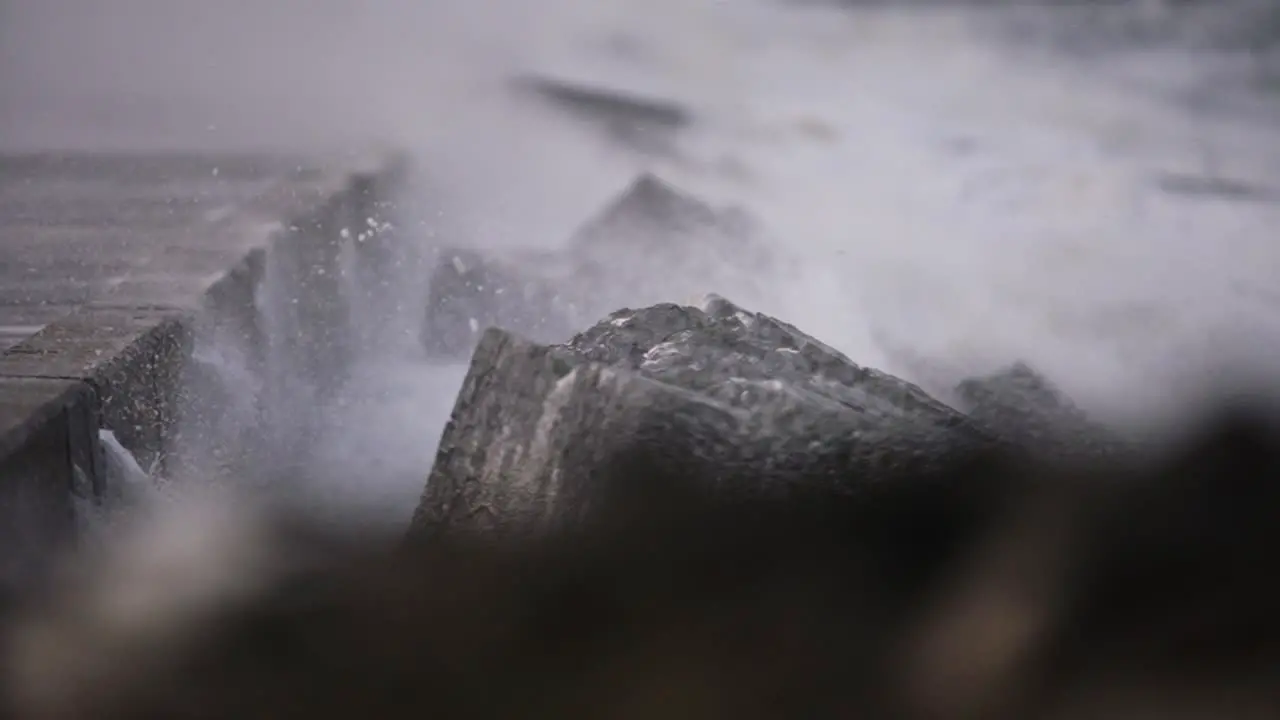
(506, 393)
(131, 359)
(46, 448)
(739, 403)
(137, 230)
(104, 261)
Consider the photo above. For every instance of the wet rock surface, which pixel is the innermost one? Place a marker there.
(739, 357)
(738, 402)
(652, 243)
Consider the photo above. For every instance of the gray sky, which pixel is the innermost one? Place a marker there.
(234, 72)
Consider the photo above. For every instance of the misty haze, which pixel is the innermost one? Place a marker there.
(948, 187)
(841, 355)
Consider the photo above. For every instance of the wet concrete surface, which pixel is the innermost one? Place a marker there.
(76, 228)
(107, 263)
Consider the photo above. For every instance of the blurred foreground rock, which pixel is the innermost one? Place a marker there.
(737, 402)
(996, 592)
(652, 243)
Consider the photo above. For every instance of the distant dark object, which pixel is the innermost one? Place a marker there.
(1216, 188)
(609, 104)
(643, 123)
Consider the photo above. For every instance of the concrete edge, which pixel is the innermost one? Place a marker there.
(48, 445)
(118, 363)
(128, 359)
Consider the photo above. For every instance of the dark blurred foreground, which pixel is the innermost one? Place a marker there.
(995, 588)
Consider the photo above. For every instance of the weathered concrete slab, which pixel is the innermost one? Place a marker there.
(147, 229)
(104, 262)
(23, 321)
(47, 451)
(739, 403)
(131, 360)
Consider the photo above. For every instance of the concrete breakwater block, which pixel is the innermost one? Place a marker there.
(733, 402)
(738, 402)
(653, 242)
(48, 444)
(131, 360)
(109, 259)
